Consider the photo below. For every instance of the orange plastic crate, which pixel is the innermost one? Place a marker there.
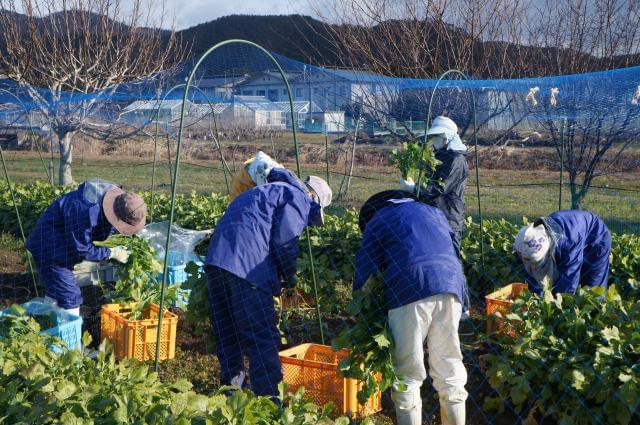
(501, 301)
(136, 339)
(315, 367)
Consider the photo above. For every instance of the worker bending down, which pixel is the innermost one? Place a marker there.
(64, 236)
(410, 242)
(565, 250)
(253, 254)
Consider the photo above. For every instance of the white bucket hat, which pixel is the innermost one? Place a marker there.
(447, 127)
(321, 191)
(442, 125)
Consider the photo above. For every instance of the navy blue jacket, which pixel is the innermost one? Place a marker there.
(583, 246)
(453, 171)
(64, 234)
(257, 237)
(411, 242)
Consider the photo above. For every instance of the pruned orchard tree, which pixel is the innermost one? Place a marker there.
(602, 120)
(71, 55)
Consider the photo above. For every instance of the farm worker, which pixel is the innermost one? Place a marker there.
(565, 250)
(64, 235)
(254, 172)
(445, 189)
(253, 254)
(410, 243)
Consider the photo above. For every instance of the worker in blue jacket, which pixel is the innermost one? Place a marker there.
(64, 236)
(565, 250)
(252, 253)
(410, 243)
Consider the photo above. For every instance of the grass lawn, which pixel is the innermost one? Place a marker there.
(503, 193)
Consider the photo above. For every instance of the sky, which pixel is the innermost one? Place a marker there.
(188, 13)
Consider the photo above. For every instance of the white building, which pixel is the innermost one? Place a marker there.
(330, 90)
(166, 111)
(251, 112)
(220, 87)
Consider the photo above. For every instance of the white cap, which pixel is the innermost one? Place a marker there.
(532, 243)
(322, 191)
(442, 125)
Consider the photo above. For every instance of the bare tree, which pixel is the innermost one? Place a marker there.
(498, 39)
(71, 55)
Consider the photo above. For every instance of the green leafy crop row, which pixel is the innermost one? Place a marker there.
(39, 386)
(575, 359)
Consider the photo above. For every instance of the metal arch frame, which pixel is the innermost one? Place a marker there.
(177, 164)
(225, 167)
(475, 142)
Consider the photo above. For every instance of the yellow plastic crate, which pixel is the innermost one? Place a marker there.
(136, 339)
(315, 367)
(501, 301)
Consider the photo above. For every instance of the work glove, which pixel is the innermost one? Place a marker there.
(407, 185)
(119, 253)
(291, 282)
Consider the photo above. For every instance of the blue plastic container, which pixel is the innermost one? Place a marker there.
(176, 271)
(70, 331)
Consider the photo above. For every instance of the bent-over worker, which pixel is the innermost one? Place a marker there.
(565, 250)
(64, 236)
(410, 243)
(252, 254)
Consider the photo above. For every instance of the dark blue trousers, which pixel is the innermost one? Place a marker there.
(243, 319)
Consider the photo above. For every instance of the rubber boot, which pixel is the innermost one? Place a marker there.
(452, 413)
(408, 406)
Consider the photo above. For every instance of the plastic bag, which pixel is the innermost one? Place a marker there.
(182, 244)
(47, 313)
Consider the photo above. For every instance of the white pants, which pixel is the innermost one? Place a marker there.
(75, 311)
(435, 319)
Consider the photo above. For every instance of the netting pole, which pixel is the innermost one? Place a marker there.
(475, 139)
(562, 130)
(326, 156)
(15, 206)
(175, 180)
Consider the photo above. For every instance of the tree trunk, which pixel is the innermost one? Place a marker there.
(576, 196)
(66, 158)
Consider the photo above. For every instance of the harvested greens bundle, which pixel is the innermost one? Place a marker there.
(369, 342)
(138, 282)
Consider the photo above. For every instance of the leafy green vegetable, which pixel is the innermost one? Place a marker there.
(39, 386)
(408, 160)
(138, 277)
(369, 342)
(576, 356)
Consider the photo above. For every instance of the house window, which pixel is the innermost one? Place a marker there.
(248, 93)
(343, 91)
(273, 95)
(260, 93)
(298, 92)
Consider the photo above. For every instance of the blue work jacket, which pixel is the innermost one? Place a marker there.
(411, 243)
(257, 237)
(64, 234)
(582, 249)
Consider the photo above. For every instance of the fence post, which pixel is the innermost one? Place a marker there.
(562, 130)
(326, 156)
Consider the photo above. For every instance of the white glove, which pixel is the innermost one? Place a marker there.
(407, 185)
(119, 253)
